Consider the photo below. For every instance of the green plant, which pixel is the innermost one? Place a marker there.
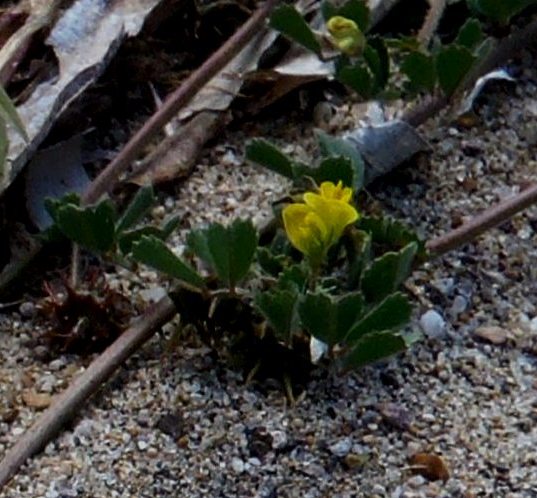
(325, 274)
(364, 61)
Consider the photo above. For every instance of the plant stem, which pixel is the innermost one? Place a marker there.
(108, 178)
(488, 219)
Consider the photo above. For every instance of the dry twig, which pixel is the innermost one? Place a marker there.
(488, 219)
(436, 9)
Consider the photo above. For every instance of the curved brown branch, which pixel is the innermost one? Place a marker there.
(488, 219)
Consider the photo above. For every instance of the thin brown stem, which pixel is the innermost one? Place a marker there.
(108, 178)
(436, 9)
(488, 219)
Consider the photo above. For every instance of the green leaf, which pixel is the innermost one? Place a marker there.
(279, 308)
(170, 225)
(387, 273)
(392, 313)
(92, 227)
(334, 169)
(264, 153)
(136, 210)
(329, 319)
(470, 35)
(127, 238)
(288, 21)
(334, 146)
(293, 278)
(376, 56)
(391, 233)
(358, 248)
(153, 252)
(269, 262)
(421, 71)
(9, 113)
(500, 10)
(374, 347)
(229, 251)
(356, 10)
(452, 64)
(404, 43)
(358, 77)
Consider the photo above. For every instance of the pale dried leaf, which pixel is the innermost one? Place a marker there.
(36, 400)
(53, 172)
(493, 334)
(84, 40)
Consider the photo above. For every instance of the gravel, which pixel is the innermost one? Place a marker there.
(182, 424)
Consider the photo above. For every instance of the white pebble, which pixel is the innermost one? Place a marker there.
(341, 448)
(237, 465)
(433, 325)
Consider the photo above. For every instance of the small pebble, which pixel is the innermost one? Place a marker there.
(237, 465)
(433, 325)
(27, 309)
(142, 445)
(341, 448)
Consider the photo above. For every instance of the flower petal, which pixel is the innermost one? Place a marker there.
(335, 214)
(305, 229)
(330, 191)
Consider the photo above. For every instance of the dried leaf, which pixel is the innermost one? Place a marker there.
(41, 15)
(174, 157)
(84, 40)
(429, 466)
(493, 334)
(36, 400)
(53, 172)
(371, 143)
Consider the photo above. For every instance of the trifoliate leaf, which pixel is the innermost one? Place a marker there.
(279, 308)
(228, 251)
(452, 65)
(93, 227)
(421, 71)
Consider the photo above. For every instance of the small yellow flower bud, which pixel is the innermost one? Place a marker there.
(346, 35)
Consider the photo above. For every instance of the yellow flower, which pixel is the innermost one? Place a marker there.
(318, 223)
(346, 35)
